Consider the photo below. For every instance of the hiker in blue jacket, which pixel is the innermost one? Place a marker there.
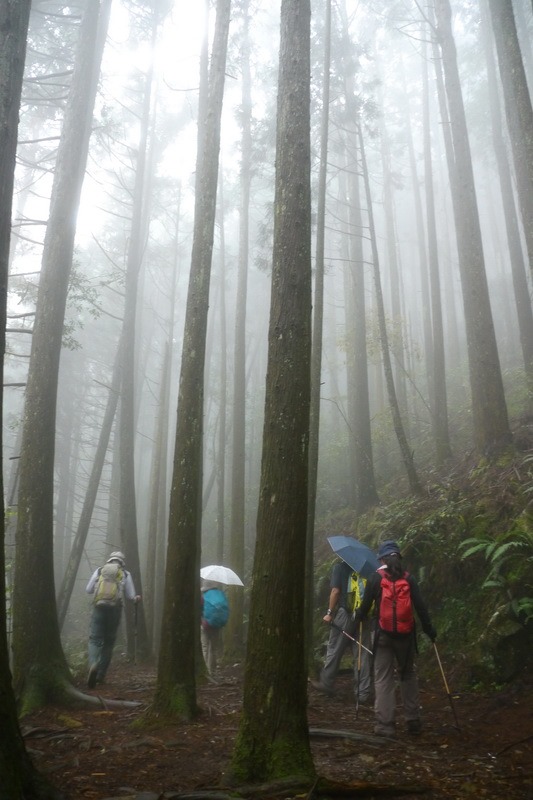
(213, 619)
(109, 585)
(395, 593)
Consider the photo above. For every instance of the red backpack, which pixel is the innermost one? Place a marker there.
(396, 610)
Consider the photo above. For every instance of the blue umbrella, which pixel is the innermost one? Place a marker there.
(356, 554)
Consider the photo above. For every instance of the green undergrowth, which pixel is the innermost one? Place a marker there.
(469, 542)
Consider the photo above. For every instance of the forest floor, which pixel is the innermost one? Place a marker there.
(95, 753)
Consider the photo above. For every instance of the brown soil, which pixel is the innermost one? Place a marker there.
(95, 753)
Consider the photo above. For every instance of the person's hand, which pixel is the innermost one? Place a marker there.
(432, 633)
(137, 598)
(328, 616)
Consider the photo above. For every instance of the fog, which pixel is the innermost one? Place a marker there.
(380, 49)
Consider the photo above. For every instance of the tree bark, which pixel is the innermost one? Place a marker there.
(18, 777)
(516, 258)
(489, 411)
(234, 637)
(405, 450)
(439, 404)
(318, 324)
(273, 739)
(40, 668)
(518, 109)
(176, 678)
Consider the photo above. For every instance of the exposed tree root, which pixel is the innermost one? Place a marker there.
(96, 700)
(322, 787)
(323, 733)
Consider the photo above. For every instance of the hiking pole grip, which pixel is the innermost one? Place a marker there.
(447, 687)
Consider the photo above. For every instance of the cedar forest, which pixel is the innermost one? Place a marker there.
(266, 275)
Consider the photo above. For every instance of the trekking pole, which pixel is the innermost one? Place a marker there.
(338, 627)
(359, 651)
(135, 631)
(447, 688)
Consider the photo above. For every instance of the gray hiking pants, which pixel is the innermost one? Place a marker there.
(211, 639)
(336, 648)
(391, 656)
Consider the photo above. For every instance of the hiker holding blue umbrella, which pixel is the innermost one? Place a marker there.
(347, 585)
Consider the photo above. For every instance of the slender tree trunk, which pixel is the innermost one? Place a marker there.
(489, 411)
(127, 427)
(363, 458)
(398, 345)
(234, 635)
(176, 679)
(406, 453)
(84, 522)
(318, 323)
(222, 416)
(273, 739)
(439, 405)
(155, 482)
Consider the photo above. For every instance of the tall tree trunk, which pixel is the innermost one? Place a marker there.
(406, 453)
(273, 739)
(398, 344)
(84, 522)
(318, 323)
(176, 678)
(40, 669)
(18, 777)
(439, 405)
(365, 481)
(220, 456)
(127, 426)
(234, 636)
(518, 109)
(518, 271)
(155, 487)
(489, 411)
(425, 279)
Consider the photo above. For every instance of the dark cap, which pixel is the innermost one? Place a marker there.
(388, 548)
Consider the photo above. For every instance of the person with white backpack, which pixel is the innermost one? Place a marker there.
(109, 585)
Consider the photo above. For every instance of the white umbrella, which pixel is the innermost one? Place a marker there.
(221, 575)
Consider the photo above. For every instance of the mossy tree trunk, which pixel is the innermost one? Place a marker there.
(273, 740)
(18, 777)
(40, 668)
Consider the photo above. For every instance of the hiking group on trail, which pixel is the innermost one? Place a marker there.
(372, 611)
(376, 615)
(109, 585)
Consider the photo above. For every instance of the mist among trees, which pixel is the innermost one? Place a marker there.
(261, 264)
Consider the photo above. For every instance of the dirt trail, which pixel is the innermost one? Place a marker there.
(94, 754)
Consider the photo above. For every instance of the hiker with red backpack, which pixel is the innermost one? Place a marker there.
(109, 585)
(395, 594)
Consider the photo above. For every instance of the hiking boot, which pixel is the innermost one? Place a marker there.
(385, 733)
(366, 701)
(91, 679)
(321, 688)
(414, 727)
